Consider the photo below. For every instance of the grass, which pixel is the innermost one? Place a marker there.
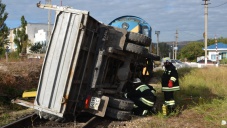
(208, 83)
(201, 102)
(9, 115)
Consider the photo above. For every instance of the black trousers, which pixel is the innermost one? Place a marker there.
(168, 96)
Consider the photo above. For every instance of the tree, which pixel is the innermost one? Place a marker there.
(164, 50)
(220, 39)
(223, 40)
(192, 50)
(4, 30)
(37, 47)
(21, 38)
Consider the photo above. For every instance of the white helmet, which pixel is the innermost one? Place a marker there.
(137, 80)
(166, 59)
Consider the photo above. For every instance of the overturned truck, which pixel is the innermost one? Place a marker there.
(86, 66)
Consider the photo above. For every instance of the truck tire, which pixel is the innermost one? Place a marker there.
(118, 114)
(123, 104)
(135, 48)
(138, 38)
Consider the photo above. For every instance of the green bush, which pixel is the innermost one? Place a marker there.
(13, 56)
(223, 61)
(2, 52)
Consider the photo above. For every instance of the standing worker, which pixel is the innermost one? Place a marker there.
(143, 96)
(170, 83)
(149, 69)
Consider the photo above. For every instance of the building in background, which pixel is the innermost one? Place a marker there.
(219, 50)
(12, 46)
(37, 32)
(215, 51)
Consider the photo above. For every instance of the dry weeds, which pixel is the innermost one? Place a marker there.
(25, 75)
(15, 77)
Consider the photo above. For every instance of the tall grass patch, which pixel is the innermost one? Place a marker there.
(202, 100)
(206, 82)
(214, 112)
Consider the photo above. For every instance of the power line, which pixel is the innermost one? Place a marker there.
(218, 5)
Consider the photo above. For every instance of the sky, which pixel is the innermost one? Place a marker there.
(167, 16)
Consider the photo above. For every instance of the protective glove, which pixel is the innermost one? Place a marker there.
(170, 84)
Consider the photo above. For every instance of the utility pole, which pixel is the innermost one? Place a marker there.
(48, 2)
(217, 54)
(176, 48)
(173, 50)
(157, 32)
(205, 27)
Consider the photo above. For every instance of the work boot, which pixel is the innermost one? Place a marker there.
(153, 110)
(139, 111)
(171, 109)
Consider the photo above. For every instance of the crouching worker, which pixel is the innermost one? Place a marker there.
(170, 84)
(143, 96)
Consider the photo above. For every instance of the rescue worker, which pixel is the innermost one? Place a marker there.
(170, 84)
(143, 96)
(149, 70)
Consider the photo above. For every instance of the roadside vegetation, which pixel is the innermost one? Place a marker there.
(15, 78)
(201, 102)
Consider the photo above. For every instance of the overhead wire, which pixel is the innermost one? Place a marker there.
(218, 5)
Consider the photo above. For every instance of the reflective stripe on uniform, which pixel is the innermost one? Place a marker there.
(147, 102)
(142, 88)
(167, 89)
(153, 91)
(144, 112)
(173, 79)
(170, 103)
(135, 106)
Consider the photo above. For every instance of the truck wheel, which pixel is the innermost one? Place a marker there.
(135, 48)
(118, 114)
(123, 104)
(138, 38)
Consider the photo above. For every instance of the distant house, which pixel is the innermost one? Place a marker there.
(37, 32)
(219, 50)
